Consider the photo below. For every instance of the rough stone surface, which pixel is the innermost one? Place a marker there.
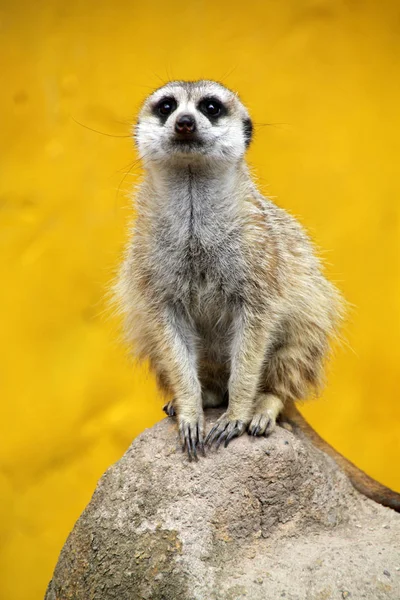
(264, 519)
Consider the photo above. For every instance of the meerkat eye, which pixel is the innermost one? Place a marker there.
(211, 107)
(166, 106)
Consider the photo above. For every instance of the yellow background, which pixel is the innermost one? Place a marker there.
(325, 74)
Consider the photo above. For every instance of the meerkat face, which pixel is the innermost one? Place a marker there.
(200, 120)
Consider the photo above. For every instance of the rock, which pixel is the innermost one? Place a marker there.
(263, 519)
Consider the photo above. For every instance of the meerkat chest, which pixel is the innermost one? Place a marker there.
(198, 256)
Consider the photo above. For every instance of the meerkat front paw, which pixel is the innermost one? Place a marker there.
(191, 433)
(225, 429)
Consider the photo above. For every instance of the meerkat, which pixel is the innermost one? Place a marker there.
(222, 290)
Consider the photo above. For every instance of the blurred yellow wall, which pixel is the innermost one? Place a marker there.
(326, 75)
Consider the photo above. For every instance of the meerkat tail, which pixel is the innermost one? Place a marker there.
(361, 481)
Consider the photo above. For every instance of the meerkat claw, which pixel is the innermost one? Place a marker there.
(191, 439)
(261, 424)
(234, 433)
(234, 429)
(220, 439)
(255, 431)
(169, 409)
(224, 431)
(201, 442)
(211, 434)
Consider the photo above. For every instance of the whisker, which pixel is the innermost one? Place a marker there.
(158, 77)
(169, 72)
(97, 131)
(229, 73)
(129, 172)
(268, 124)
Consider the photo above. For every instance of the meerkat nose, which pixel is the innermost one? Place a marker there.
(185, 124)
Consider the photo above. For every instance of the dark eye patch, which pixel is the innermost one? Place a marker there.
(165, 107)
(212, 108)
(248, 131)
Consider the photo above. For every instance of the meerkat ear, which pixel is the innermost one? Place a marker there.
(248, 131)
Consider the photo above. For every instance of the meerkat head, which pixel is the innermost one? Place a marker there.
(193, 121)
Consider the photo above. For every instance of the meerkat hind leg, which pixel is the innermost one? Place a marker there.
(268, 407)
